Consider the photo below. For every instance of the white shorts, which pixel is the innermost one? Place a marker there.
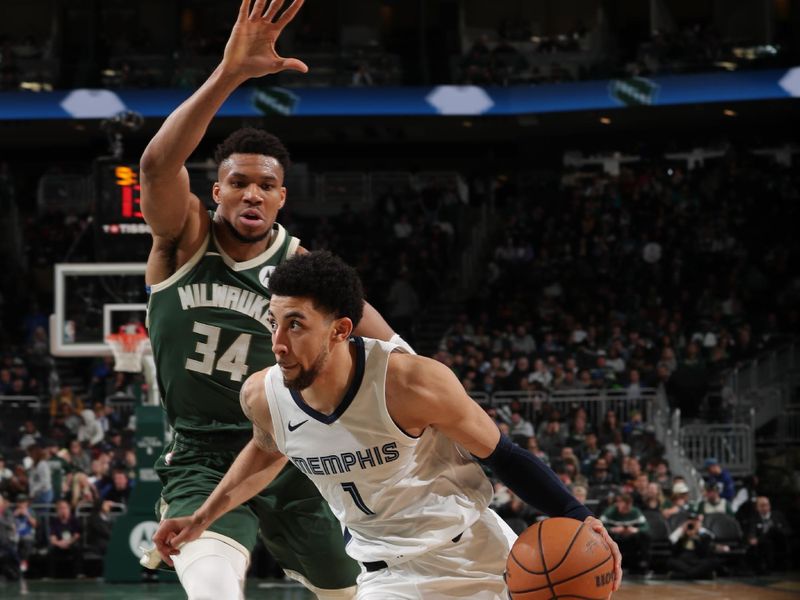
(472, 568)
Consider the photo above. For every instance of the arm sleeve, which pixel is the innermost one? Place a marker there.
(533, 481)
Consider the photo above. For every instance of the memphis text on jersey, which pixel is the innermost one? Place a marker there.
(217, 295)
(334, 464)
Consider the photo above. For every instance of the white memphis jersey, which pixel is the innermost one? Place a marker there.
(398, 496)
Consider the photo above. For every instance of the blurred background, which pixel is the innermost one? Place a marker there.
(588, 209)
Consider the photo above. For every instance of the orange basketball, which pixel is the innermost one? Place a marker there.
(560, 558)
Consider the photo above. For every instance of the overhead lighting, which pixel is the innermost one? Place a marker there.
(36, 86)
(729, 113)
(605, 120)
(727, 65)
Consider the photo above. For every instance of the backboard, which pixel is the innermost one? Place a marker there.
(92, 300)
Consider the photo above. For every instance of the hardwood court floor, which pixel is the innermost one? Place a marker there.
(774, 588)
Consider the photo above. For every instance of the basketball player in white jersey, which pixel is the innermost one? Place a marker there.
(386, 437)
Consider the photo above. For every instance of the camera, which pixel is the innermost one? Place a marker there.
(691, 525)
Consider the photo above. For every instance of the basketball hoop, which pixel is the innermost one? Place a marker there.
(128, 346)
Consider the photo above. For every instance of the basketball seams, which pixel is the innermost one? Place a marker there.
(569, 547)
(570, 578)
(544, 562)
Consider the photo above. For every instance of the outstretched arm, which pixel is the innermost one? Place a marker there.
(255, 467)
(421, 393)
(250, 52)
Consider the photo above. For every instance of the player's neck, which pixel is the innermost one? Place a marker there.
(329, 388)
(238, 250)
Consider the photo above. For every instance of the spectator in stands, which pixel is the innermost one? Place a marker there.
(678, 501)
(662, 476)
(100, 476)
(533, 448)
(29, 435)
(609, 427)
(630, 530)
(581, 493)
(90, 431)
(712, 502)
(653, 498)
(26, 522)
(693, 550)
(520, 428)
(64, 551)
(115, 446)
(517, 514)
(633, 391)
(40, 478)
(101, 416)
(551, 436)
(768, 538)
(5, 473)
(617, 447)
(81, 491)
(121, 487)
(9, 558)
(403, 304)
(99, 526)
(78, 457)
(601, 474)
(589, 452)
(715, 473)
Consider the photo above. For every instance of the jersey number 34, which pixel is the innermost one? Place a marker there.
(233, 360)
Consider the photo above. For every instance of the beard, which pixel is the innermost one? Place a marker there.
(306, 376)
(246, 239)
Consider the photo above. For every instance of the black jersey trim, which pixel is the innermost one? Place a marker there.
(348, 396)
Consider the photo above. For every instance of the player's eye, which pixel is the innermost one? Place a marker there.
(294, 324)
(266, 186)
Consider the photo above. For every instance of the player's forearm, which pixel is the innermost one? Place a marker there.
(250, 473)
(181, 133)
(533, 481)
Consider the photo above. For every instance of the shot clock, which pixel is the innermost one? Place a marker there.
(118, 209)
(121, 233)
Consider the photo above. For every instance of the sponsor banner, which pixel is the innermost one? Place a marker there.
(449, 100)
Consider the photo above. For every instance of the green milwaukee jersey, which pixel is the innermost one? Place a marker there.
(208, 329)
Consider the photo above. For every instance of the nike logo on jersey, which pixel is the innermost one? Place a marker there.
(293, 427)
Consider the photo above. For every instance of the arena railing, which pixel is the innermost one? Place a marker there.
(596, 402)
(31, 402)
(733, 444)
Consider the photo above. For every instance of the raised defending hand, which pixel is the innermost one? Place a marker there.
(250, 51)
(597, 526)
(173, 533)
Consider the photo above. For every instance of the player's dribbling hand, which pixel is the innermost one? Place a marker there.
(250, 51)
(597, 526)
(173, 533)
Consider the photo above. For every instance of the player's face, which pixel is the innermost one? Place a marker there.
(301, 337)
(249, 195)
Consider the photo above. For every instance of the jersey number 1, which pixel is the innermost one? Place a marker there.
(233, 360)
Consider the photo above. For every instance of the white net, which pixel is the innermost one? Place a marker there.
(128, 349)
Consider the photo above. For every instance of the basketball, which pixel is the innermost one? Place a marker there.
(560, 558)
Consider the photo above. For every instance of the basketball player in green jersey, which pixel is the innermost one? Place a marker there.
(207, 274)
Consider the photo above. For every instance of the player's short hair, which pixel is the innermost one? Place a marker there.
(249, 140)
(333, 285)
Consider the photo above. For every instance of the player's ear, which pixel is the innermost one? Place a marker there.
(283, 197)
(342, 329)
(215, 192)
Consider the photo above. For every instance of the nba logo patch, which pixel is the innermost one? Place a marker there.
(264, 274)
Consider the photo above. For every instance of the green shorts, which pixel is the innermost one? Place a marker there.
(295, 522)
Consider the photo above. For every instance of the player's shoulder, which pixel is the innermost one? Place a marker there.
(414, 371)
(253, 393)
